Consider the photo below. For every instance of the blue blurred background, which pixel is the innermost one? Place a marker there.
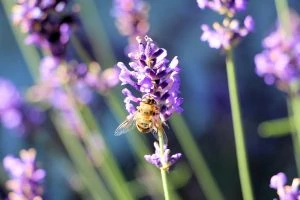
(175, 25)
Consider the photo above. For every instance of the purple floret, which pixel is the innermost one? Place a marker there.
(162, 159)
(225, 35)
(229, 7)
(285, 192)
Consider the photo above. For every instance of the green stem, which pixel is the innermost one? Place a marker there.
(196, 159)
(294, 109)
(85, 57)
(101, 47)
(238, 130)
(29, 53)
(282, 8)
(163, 169)
(84, 167)
(108, 166)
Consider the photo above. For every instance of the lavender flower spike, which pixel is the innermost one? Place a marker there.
(285, 192)
(280, 60)
(152, 75)
(162, 160)
(131, 17)
(15, 113)
(47, 23)
(229, 7)
(225, 35)
(26, 178)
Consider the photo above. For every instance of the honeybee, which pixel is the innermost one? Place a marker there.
(146, 119)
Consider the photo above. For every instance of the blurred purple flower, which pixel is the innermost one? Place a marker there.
(162, 159)
(131, 20)
(131, 17)
(153, 75)
(83, 79)
(47, 23)
(63, 84)
(280, 60)
(26, 178)
(285, 192)
(225, 35)
(94, 77)
(229, 7)
(15, 113)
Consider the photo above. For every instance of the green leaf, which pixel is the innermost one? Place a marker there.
(275, 128)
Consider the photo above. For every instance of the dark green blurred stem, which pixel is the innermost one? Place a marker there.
(282, 9)
(29, 53)
(294, 111)
(107, 167)
(195, 157)
(80, 50)
(238, 129)
(83, 165)
(275, 128)
(91, 20)
(3, 176)
(164, 167)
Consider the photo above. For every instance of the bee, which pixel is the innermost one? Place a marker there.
(146, 119)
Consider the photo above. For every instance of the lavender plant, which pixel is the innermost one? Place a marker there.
(156, 78)
(279, 64)
(26, 178)
(225, 36)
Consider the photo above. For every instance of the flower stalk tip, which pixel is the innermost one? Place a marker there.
(162, 158)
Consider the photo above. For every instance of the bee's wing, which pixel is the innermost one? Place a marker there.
(155, 134)
(125, 126)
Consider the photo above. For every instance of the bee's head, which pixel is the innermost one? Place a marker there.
(149, 100)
